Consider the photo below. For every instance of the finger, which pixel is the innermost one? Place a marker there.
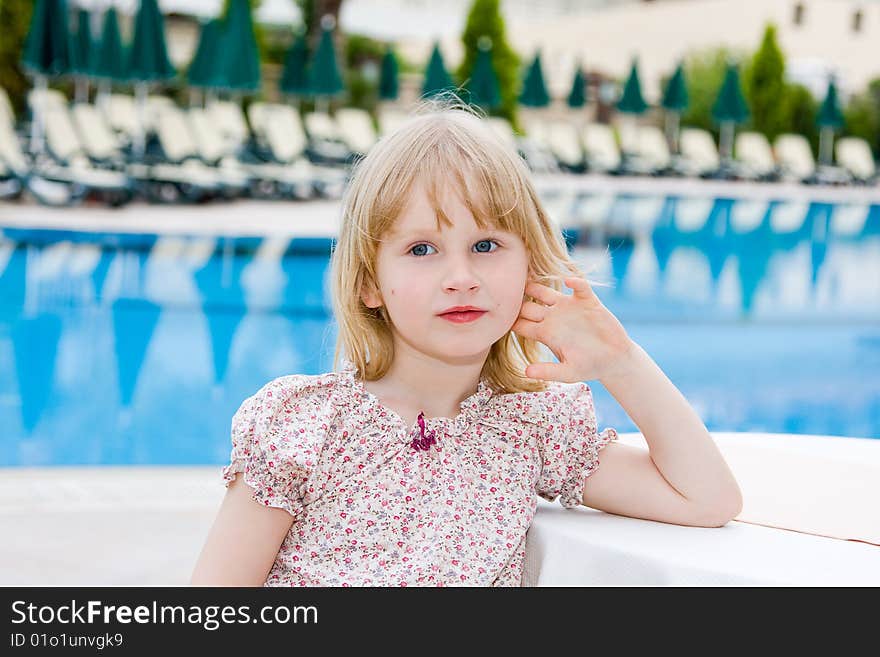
(526, 328)
(542, 293)
(547, 371)
(533, 311)
(581, 287)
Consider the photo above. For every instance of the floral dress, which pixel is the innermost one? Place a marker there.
(371, 510)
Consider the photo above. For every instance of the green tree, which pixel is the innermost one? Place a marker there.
(800, 109)
(484, 19)
(15, 17)
(363, 57)
(862, 116)
(764, 86)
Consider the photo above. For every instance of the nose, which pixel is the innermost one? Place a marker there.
(460, 275)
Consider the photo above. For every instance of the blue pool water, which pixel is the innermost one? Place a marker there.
(138, 349)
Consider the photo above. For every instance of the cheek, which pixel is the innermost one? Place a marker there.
(508, 295)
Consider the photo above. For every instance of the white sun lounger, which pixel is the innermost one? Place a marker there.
(753, 153)
(19, 175)
(326, 144)
(120, 114)
(72, 163)
(390, 119)
(537, 130)
(854, 154)
(160, 182)
(699, 154)
(355, 128)
(651, 150)
(11, 186)
(45, 98)
(795, 156)
(600, 147)
(99, 141)
(230, 120)
(6, 112)
(257, 112)
(270, 180)
(180, 146)
(561, 137)
(281, 131)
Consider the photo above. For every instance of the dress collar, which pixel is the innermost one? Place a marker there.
(470, 408)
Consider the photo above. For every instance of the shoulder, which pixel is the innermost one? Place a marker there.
(557, 404)
(284, 395)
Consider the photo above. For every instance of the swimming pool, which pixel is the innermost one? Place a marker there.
(121, 348)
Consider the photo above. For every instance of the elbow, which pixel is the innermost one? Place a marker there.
(722, 511)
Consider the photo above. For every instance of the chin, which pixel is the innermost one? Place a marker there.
(464, 350)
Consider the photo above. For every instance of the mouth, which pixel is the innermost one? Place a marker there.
(463, 316)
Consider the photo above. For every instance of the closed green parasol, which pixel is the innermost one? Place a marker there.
(829, 118)
(148, 56)
(675, 102)
(109, 63)
(436, 76)
(147, 60)
(324, 78)
(534, 91)
(294, 78)
(483, 83)
(82, 46)
(47, 48)
(46, 53)
(239, 59)
(577, 97)
(388, 84)
(202, 69)
(730, 109)
(632, 101)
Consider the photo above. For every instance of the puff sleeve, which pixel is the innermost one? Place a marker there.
(274, 443)
(570, 450)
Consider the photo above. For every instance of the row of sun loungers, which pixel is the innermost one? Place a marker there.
(190, 154)
(219, 151)
(644, 151)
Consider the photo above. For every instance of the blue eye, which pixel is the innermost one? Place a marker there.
(480, 249)
(419, 246)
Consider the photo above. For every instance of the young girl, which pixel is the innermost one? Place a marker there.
(417, 462)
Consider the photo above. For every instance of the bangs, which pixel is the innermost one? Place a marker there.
(454, 155)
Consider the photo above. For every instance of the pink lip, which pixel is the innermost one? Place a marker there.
(463, 317)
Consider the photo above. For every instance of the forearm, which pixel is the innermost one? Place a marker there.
(680, 445)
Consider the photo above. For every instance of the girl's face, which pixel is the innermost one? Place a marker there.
(422, 273)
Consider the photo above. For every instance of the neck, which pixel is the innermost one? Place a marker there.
(418, 382)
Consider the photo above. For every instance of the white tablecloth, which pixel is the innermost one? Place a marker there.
(579, 547)
(801, 486)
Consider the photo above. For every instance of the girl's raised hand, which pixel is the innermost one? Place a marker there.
(583, 334)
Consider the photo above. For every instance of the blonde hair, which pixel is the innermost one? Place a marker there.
(446, 141)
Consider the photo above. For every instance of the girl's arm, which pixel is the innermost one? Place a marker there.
(243, 541)
(684, 479)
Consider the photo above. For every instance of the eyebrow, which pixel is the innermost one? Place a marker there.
(396, 233)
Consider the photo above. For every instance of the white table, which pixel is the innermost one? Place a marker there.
(581, 547)
(810, 502)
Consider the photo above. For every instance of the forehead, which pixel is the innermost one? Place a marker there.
(420, 215)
